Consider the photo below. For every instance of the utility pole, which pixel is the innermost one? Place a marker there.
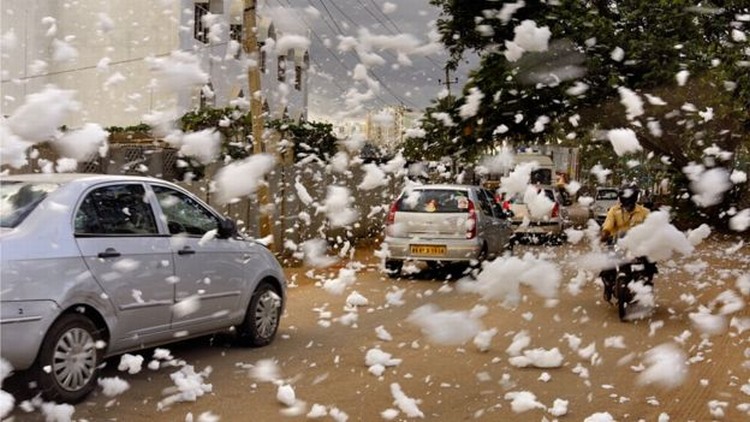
(448, 81)
(249, 24)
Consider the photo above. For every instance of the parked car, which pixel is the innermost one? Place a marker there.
(605, 198)
(445, 223)
(550, 225)
(96, 265)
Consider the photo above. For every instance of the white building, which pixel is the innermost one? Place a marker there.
(386, 127)
(106, 52)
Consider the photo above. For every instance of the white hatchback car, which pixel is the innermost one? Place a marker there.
(445, 223)
(93, 266)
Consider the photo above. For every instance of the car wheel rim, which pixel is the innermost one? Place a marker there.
(267, 313)
(74, 359)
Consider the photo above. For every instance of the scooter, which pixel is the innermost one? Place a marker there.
(628, 277)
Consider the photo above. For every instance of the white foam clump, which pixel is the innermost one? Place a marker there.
(131, 363)
(708, 186)
(189, 385)
(374, 177)
(528, 37)
(7, 400)
(315, 253)
(502, 279)
(518, 179)
(483, 339)
(665, 366)
(538, 358)
(471, 106)
(696, 236)
(187, 306)
(633, 106)
(656, 238)
(559, 408)
(285, 394)
(113, 386)
(740, 221)
(406, 404)
(523, 401)
(623, 141)
(54, 412)
(682, 77)
(356, 299)
(317, 411)
(574, 236)
(601, 173)
(179, 71)
(708, 323)
(204, 145)
(337, 207)
(42, 113)
(600, 417)
(446, 327)
(266, 370)
(336, 286)
(82, 143)
(382, 333)
(377, 360)
(242, 178)
(521, 340)
(539, 205)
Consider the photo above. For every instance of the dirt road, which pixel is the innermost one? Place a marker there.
(321, 353)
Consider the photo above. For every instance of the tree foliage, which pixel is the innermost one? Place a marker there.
(307, 138)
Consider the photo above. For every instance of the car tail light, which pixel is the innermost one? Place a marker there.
(391, 218)
(471, 222)
(556, 210)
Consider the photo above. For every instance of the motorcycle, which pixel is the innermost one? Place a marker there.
(629, 281)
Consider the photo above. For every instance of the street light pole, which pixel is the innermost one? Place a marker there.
(249, 20)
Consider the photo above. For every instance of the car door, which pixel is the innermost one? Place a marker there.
(488, 225)
(210, 271)
(502, 228)
(117, 234)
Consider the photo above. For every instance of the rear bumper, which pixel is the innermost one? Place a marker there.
(539, 227)
(455, 249)
(22, 328)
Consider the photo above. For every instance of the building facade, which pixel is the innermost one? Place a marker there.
(106, 51)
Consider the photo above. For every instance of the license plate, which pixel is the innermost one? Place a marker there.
(428, 250)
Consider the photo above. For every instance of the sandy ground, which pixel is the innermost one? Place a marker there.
(324, 360)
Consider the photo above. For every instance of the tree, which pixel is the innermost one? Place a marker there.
(599, 52)
(307, 138)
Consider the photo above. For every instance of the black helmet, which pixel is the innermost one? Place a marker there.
(628, 196)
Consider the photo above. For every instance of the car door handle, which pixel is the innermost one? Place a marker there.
(186, 251)
(109, 253)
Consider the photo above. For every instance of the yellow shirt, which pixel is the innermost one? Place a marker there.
(619, 221)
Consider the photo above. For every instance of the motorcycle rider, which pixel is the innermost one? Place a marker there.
(624, 215)
(621, 217)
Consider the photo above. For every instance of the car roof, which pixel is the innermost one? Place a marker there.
(64, 178)
(444, 186)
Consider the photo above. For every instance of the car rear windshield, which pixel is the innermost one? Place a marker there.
(18, 199)
(434, 201)
(606, 195)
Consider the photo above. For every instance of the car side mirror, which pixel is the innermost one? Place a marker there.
(227, 228)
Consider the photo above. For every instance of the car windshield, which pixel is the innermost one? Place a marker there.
(434, 201)
(18, 199)
(606, 195)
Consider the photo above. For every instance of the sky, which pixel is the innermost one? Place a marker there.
(413, 79)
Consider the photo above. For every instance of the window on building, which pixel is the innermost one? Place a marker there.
(281, 69)
(298, 77)
(263, 57)
(235, 33)
(200, 29)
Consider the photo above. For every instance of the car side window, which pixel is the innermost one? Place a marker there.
(484, 203)
(116, 210)
(184, 215)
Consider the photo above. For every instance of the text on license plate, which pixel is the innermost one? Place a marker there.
(429, 250)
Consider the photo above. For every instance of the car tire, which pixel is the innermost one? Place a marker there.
(67, 367)
(262, 317)
(393, 267)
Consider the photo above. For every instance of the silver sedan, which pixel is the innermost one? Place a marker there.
(93, 266)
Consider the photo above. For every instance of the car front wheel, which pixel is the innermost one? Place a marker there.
(262, 317)
(68, 363)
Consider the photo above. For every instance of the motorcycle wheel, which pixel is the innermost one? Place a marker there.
(624, 296)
